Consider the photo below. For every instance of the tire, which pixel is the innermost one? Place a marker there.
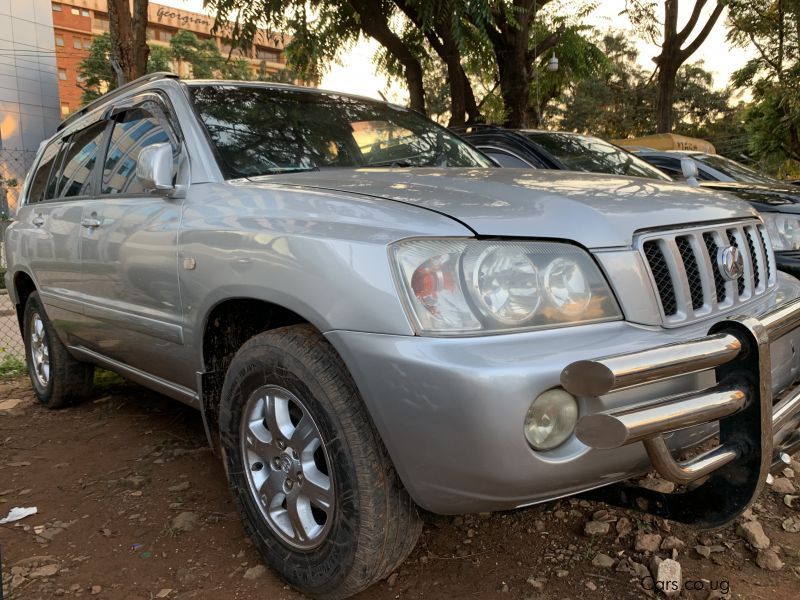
(370, 524)
(57, 378)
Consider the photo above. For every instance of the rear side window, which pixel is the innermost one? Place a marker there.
(39, 181)
(136, 129)
(79, 160)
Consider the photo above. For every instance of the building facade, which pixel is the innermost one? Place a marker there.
(76, 22)
(29, 106)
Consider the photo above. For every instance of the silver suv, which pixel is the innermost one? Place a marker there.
(372, 319)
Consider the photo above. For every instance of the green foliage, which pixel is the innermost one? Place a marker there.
(204, 57)
(772, 121)
(11, 366)
(619, 101)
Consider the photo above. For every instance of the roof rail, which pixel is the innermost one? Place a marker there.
(114, 93)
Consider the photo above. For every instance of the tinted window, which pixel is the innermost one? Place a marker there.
(593, 155)
(733, 169)
(39, 181)
(669, 166)
(260, 131)
(136, 129)
(55, 173)
(79, 160)
(506, 160)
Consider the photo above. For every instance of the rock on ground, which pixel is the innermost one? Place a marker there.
(647, 542)
(185, 521)
(753, 533)
(255, 572)
(768, 559)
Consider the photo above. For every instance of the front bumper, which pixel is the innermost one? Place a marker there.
(757, 429)
(451, 411)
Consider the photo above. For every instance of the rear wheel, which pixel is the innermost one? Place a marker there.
(310, 476)
(57, 378)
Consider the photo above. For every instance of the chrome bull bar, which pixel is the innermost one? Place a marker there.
(756, 428)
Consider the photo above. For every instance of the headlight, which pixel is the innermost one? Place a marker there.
(784, 230)
(459, 286)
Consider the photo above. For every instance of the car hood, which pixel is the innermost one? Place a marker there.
(775, 195)
(593, 209)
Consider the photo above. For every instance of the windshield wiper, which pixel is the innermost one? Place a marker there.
(400, 162)
(283, 170)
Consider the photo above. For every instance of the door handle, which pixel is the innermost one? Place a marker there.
(38, 221)
(90, 223)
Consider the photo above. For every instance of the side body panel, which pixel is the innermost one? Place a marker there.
(322, 255)
(129, 285)
(46, 238)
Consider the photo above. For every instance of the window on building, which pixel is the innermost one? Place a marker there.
(64, 110)
(100, 23)
(62, 74)
(265, 54)
(76, 43)
(84, 12)
(75, 11)
(56, 7)
(59, 40)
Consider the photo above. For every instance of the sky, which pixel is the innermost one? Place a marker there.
(357, 74)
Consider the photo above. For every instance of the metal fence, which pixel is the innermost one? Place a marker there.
(14, 165)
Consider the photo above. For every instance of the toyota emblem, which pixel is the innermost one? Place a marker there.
(731, 263)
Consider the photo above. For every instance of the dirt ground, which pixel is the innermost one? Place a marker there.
(109, 478)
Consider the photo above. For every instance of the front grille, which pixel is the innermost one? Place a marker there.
(689, 278)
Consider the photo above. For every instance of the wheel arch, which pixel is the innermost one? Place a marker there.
(24, 286)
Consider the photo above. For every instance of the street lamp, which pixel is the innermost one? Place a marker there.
(552, 64)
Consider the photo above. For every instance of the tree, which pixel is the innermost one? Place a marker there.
(619, 102)
(128, 30)
(674, 42)
(96, 75)
(508, 26)
(318, 40)
(772, 27)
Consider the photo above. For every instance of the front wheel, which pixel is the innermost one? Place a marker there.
(58, 379)
(310, 476)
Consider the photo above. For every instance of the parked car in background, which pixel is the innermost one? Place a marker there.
(531, 148)
(372, 318)
(777, 201)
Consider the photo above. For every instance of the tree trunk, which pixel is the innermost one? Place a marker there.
(375, 25)
(515, 86)
(665, 98)
(674, 54)
(129, 37)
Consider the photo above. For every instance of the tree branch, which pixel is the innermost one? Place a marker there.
(701, 37)
(690, 24)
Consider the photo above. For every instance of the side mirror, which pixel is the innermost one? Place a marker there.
(690, 172)
(154, 168)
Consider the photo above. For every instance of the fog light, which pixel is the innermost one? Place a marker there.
(551, 419)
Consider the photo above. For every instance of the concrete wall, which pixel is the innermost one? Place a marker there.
(29, 106)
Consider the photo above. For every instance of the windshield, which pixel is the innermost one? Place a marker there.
(262, 130)
(593, 155)
(733, 169)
